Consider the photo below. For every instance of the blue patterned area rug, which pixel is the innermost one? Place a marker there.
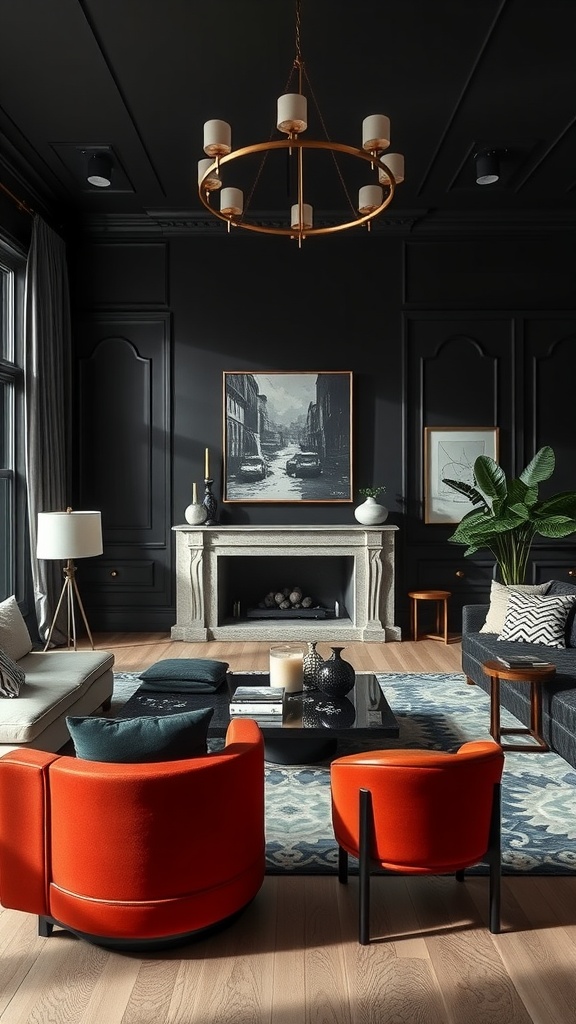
(435, 711)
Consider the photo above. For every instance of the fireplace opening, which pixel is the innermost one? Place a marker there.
(244, 581)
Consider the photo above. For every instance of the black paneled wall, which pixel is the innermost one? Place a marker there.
(437, 332)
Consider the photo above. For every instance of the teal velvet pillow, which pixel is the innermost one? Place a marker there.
(185, 675)
(140, 740)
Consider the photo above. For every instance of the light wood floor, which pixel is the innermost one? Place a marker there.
(292, 957)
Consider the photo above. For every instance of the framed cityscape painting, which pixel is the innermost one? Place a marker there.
(450, 453)
(287, 436)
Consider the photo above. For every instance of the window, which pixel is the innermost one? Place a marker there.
(13, 527)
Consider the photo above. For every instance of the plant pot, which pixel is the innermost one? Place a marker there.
(370, 513)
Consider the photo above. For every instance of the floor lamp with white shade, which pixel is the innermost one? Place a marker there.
(69, 535)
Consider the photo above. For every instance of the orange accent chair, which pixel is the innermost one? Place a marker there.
(418, 812)
(134, 856)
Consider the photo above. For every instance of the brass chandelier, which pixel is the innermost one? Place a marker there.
(292, 120)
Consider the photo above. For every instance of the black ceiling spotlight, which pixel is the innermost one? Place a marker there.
(99, 170)
(487, 166)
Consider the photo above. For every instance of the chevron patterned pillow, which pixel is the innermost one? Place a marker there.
(11, 676)
(537, 619)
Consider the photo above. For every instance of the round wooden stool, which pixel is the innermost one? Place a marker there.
(441, 598)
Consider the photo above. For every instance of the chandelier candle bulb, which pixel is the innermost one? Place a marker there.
(212, 182)
(287, 667)
(206, 465)
(217, 138)
(292, 113)
(395, 164)
(369, 198)
(307, 217)
(375, 133)
(231, 202)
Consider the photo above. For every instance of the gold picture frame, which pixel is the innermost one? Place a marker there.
(450, 453)
(287, 436)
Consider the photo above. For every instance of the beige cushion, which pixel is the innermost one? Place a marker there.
(14, 636)
(55, 681)
(499, 597)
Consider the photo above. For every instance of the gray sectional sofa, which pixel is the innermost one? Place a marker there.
(558, 696)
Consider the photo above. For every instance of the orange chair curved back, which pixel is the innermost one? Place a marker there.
(420, 811)
(134, 851)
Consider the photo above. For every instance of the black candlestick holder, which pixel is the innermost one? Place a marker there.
(210, 504)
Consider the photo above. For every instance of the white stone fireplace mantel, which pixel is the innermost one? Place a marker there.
(209, 580)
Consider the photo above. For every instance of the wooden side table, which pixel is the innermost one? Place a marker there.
(534, 677)
(441, 598)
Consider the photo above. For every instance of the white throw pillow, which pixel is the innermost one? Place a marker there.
(14, 636)
(499, 597)
(535, 619)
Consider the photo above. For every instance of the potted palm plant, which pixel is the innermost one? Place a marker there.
(507, 514)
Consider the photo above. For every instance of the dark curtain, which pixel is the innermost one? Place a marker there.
(47, 403)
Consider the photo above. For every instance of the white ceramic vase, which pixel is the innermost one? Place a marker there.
(370, 513)
(195, 514)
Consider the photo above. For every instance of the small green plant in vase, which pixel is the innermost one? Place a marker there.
(370, 513)
(371, 492)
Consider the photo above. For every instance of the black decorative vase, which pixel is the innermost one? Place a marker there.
(336, 676)
(313, 662)
(210, 503)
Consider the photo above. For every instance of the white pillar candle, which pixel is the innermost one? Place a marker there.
(369, 198)
(292, 113)
(375, 132)
(217, 138)
(287, 667)
(194, 495)
(231, 202)
(307, 217)
(395, 163)
(212, 182)
(206, 465)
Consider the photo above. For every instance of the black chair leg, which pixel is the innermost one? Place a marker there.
(342, 865)
(364, 867)
(460, 875)
(495, 861)
(45, 927)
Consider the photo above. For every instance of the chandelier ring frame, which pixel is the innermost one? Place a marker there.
(298, 144)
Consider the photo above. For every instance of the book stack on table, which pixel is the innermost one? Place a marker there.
(523, 661)
(257, 702)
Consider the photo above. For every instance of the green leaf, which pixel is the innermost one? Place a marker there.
(521, 511)
(490, 477)
(555, 526)
(563, 504)
(540, 468)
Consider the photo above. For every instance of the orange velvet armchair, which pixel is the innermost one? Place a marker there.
(418, 812)
(134, 855)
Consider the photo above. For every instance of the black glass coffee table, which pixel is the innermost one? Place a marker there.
(311, 723)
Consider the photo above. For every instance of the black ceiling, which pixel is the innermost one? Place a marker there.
(140, 77)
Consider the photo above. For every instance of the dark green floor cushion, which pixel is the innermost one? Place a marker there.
(185, 675)
(139, 740)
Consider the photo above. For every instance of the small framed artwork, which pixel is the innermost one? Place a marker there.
(450, 453)
(287, 436)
